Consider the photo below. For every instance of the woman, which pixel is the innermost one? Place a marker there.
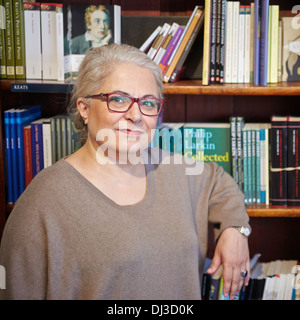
(112, 221)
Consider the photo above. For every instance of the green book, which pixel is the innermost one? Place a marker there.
(208, 142)
(19, 38)
(9, 40)
(2, 42)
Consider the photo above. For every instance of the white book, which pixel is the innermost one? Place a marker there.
(228, 42)
(47, 144)
(247, 56)
(235, 42)
(117, 24)
(158, 41)
(49, 45)
(33, 41)
(145, 46)
(161, 51)
(60, 42)
(274, 25)
(241, 46)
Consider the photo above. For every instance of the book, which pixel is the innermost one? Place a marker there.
(158, 42)
(208, 142)
(60, 42)
(33, 53)
(85, 27)
(175, 39)
(49, 41)
(2, 42)
(19, 39)
(213, 35)
(148, 42)
(47, 145)
(178, 71)
(293, 163)
(273, 44)
(290, 53)
(9, 40)
(27, 154)
(23, 117)
(37, 146)
(241, 45)
(228, 41)
(264, 39)
(235, 41)
(206, 42)
(162, 50)
(195, 17)
(256, 42)
(279, 160)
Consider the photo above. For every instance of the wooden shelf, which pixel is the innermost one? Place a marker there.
(196, 87)
(273, 212)
(181, 87)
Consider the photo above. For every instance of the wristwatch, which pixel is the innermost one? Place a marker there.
(245, 231)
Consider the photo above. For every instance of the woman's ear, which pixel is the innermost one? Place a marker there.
(83, 109)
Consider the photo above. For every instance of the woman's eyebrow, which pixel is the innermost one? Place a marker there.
(128, 94)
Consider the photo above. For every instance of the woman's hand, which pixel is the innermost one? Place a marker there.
(232, 252)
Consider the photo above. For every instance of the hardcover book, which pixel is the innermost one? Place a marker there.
(2, 42)
(85, 27)
(9, 40)
(208, 142)
(279, 160)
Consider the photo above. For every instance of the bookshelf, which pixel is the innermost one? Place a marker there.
(186, 101)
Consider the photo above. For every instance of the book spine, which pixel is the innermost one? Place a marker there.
(2, 42)
(218, 40)
(27, 154)
(250, 173)
(235, 42)
(19, 38)
(258, 161)
(162, 50)
(233, 149)
(37, 148)
(256, 43)
(33, 53)
(146, 45)
(182, 43)
(247, 56)
(279, 161)
(253, 164)
(245, 167)
(228, 41)
(222, 42)
(47, 150)
(60, 43)
(274, 44)
(9, 40)
(241, 45)
(263, 182)
(263, 65)
(158, 41)
(7, 115)
(187, 48)
(206, 37)
(213, 36)
(239, 148)
(293, 136)
(14, 156)
(164, 61)
(53, 140)
(49, 43)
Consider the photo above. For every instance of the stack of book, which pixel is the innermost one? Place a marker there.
(275, 280)
(170, 44)
(263, 158)
(47, 41)
(248, 43)
(34, 143)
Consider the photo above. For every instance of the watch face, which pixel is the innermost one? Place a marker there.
(246, 231)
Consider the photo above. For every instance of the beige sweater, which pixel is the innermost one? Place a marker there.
(67, 240)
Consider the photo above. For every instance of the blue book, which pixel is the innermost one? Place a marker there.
(256, 43)
(9, 178)
(264, 35)
(23, 118)
(37, 146)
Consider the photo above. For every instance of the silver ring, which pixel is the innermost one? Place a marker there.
(244, 273)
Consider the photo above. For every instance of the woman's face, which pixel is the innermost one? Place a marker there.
(99, 24)
(128, 131)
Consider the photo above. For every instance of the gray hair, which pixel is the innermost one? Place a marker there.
(97, 65)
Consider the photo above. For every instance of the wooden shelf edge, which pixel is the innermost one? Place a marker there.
(194, 87)
(273, 212)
